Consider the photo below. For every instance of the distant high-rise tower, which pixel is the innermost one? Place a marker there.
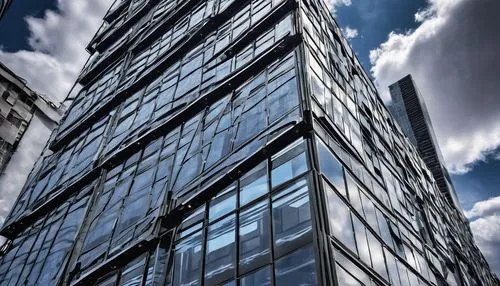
(232, 142)
(409, 109)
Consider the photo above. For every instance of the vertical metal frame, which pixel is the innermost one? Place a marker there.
(324, 255)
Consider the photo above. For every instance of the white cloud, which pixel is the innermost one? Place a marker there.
(453, 58)
(350, 33)
(332, 4)
(58, 42)
(484, 208)
(485, 226)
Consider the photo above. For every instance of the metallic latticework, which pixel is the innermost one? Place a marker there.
(232, 142)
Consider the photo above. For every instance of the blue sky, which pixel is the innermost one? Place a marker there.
(13, 29)
(450, 47)
(374, 20)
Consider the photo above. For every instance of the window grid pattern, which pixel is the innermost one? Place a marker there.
(108, 29)
(62, 168)
(246, 231)
(389, 244)
(216, 41)
(189, 23)
(129, 203)
(39, 254)
(91, 97)
(329, 88)
(197, 73)
(385, 220)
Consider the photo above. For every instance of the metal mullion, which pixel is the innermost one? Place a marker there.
(204, 245)
(323, 256)
(270, 207)
(146, 267)
(81, 233)
(237, 232)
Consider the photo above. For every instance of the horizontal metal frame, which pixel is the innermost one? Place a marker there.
(105, 39)
(175, 52)
(171, 221)
(13, 229)
(279, 49)
(112, 14)
(117, 261)
(166, 22)
(136, 42)
(89, 74)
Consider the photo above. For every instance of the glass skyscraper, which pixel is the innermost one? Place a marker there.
(409, 109)
(232, 142)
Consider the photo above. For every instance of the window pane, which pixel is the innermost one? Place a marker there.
(355, 199)
(345, 278)
(229, 283)
(261, 277)
(340, 219)
(385, 233)
(254, 185)
(361, 242)
(403, 276)
(291, 220)
(187, 261)
(254, 237)
(392, 267)
(297, 268)
(377, 255)
(369, 208)
(289, 170)
(332, 168)
(353, 270)
(220, 251)
(223, 204)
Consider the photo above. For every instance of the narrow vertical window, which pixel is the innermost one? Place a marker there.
(254, 242)
(332, 168)
(291, 219)
(220, 251)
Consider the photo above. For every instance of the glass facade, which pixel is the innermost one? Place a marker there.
(226, 142)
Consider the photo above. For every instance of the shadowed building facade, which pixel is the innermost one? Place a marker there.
(232, 142)
(19, 105)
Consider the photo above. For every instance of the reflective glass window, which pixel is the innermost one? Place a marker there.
(187, 260)
(291, 218)
(345, 278)
(339, 217)
(332, 168)
(289, 169)
(377, 255)
(392, 268)
(223, 204)
(254, 184)
(297, 268)
(261, 277)
(347, 270)
(220, 251)
(254, 237)
(361, 242)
